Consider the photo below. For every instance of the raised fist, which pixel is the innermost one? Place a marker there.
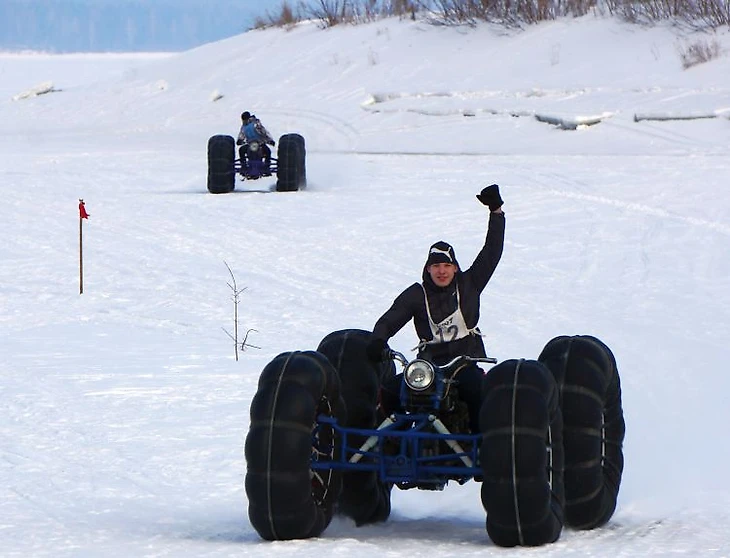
(490, 197)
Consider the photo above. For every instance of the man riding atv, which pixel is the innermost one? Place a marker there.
(333, 430)
(445, 310)
(252, 130)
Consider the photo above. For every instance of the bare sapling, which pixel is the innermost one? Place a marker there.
(236, 297)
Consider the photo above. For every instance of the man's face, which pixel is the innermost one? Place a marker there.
(442, 273)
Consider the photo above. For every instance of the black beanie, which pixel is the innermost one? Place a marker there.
(441, 252)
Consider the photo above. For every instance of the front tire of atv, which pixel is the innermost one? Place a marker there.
(594, 428)
(291, 173)
(364, 498)
(521, 454)
(287, 498)
(221, 159)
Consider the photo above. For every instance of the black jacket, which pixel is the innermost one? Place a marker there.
(410, 303)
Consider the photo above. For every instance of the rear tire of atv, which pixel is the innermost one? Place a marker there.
(521, 454)
(291, 173)
(287, 499)
(221, 159)
(594, 428)
(364, 498)
(302, 161)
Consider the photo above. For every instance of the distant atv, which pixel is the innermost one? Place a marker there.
(549, 451)
(288, 166)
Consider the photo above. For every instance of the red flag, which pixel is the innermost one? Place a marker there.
(82, 210)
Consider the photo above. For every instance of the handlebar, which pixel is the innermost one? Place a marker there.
(400, 357)
(490, 360)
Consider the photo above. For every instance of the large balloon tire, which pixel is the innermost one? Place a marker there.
(287, 499)
(291, 171)
(221, 159)
(594, 428)
(521, 454)
(364, 498)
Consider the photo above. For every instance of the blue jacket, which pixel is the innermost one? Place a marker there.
(253, 130)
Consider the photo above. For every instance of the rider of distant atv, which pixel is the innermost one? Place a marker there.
(253, 136)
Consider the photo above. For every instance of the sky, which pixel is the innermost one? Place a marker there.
(62, 26)
(123, 412)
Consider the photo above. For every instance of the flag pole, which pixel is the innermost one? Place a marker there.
(82, 215)
(81, 255)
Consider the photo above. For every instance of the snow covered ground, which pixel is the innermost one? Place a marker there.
(123, 412)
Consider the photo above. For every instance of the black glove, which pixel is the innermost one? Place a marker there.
(375, 350)
(489, 196)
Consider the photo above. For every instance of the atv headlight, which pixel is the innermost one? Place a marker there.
(254, 146)
(419, 375)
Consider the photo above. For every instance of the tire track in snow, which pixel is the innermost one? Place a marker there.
(342, 128)
(647, 210)
(657, 132)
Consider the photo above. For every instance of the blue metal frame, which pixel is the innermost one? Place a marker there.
(400, 455)
(255, 168)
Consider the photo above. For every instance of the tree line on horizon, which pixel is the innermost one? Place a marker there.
(698, 14)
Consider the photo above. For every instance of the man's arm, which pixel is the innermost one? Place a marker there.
(398, 315)
(485, 263)
(388, 325)
(264, 133)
